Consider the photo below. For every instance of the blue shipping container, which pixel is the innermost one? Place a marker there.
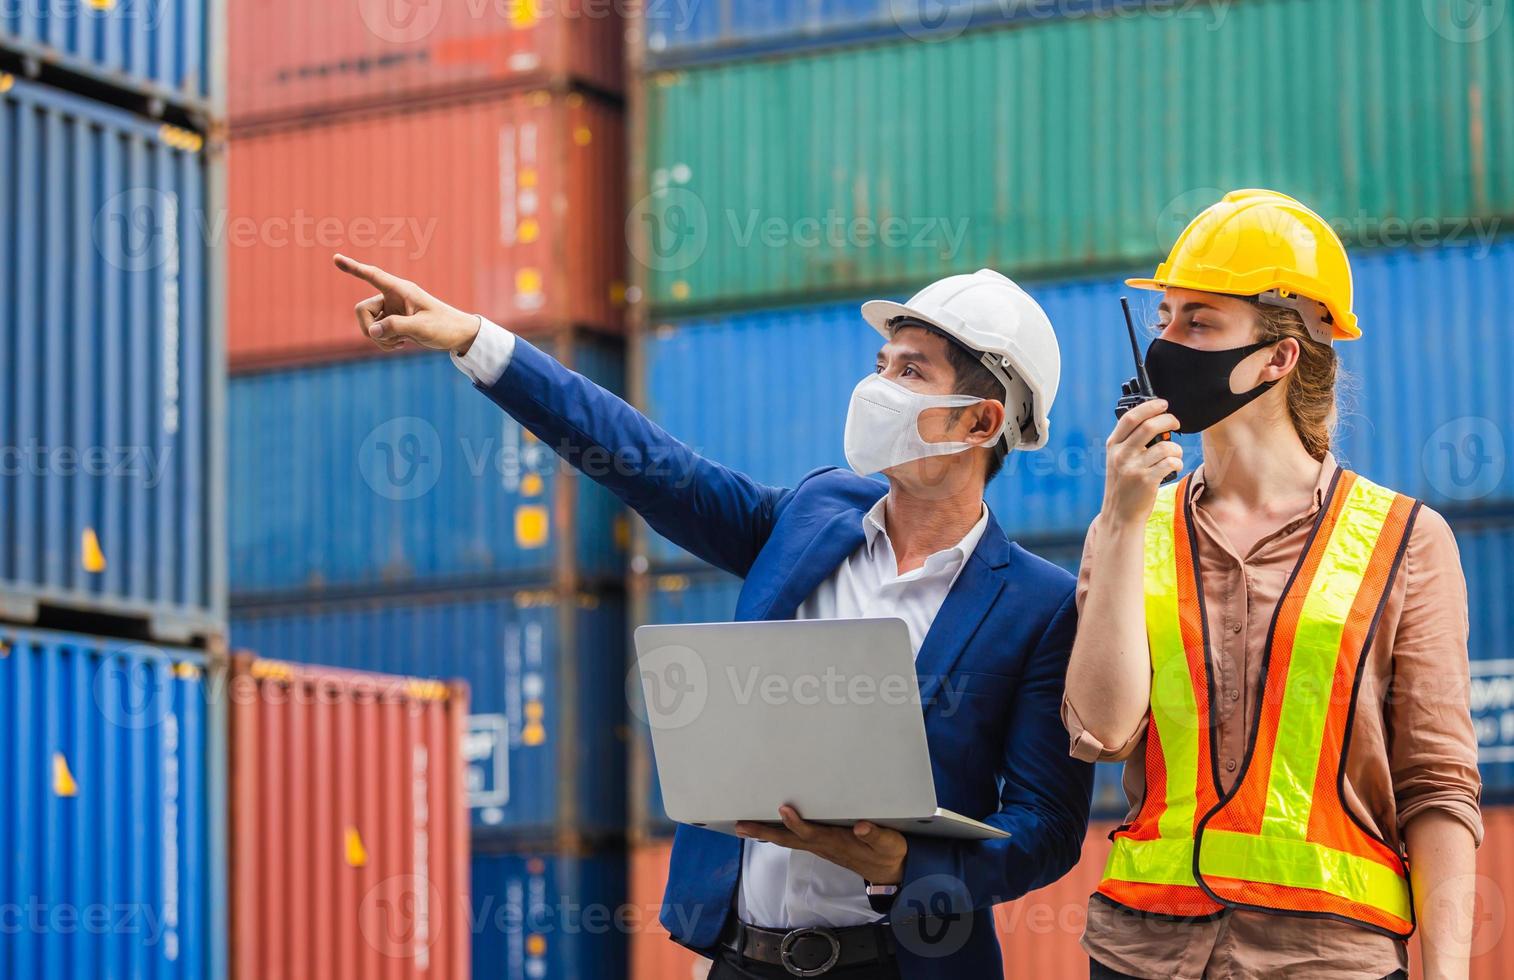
(551, 917)
(680, 32)
(394, 472)
(545, 747)
(766, 392)
(164, 49)
(114, 819)
(112, 383)
(1487, 556)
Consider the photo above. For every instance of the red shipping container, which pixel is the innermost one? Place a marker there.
(348, 824)
(292, 57)
(1039, 933)
(510, 207)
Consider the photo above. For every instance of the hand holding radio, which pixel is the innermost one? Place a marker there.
(1141, 455)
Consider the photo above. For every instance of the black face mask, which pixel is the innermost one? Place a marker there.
(1196, 383)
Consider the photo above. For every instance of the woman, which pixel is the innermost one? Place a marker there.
(1275, 646)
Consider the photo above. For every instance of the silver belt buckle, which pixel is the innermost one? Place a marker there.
(786, 950)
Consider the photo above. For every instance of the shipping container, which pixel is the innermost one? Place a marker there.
(681, 33)
(115, 787)
(544, 916)
(294, 59)
(1487, 558)
(1425, 412)
(1039, 933)
(496, 205)
(545, 744)
(165, 50)
(928, 158)
(701, 596)
(396, 473)
(111, 391)
(349, 838)
(653, 954)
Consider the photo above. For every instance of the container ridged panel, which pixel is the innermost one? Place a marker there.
(109, 393)
(162, 48)
(348, 839)
(987, 155)
(396, 473)
(542, 916)
(114, 777)
(292, 58)
(562, 765)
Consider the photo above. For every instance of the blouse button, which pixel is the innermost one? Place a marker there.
(1235, 627)
(1230, 765)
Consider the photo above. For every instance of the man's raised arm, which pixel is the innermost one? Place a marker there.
(719, 515)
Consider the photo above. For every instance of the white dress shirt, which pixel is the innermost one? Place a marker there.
(783, 888)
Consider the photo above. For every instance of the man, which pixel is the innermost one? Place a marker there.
(967, 374)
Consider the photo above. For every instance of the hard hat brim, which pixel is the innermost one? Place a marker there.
(1343, 329)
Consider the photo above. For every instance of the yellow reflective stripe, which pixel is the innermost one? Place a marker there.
(1163, 861)
(1316, 649)
(1303, 864)
(1173, 707)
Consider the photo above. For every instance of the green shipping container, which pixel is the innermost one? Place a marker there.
(1068, 146)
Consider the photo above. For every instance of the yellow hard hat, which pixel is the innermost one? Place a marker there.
(1265, 244)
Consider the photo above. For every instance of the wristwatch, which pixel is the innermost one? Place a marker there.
(881, 897)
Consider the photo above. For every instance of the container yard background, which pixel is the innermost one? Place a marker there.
(315, 662)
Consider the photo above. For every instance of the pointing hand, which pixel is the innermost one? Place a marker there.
(404, 311)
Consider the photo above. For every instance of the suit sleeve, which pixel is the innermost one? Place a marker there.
(1043, 802)
(719, 515)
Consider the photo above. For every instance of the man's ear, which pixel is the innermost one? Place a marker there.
(988, 417)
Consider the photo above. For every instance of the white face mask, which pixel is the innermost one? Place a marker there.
(883, 425)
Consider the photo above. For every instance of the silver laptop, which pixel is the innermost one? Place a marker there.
(820, 714)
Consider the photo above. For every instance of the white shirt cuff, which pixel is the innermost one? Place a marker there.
(489, 356)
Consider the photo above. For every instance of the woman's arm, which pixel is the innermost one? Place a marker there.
(1433, 747)
(1109, 676)
(1443, 857)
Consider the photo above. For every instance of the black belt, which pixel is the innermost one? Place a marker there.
(809, 952)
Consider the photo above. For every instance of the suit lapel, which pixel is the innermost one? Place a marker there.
(840, 536)
(971, 596)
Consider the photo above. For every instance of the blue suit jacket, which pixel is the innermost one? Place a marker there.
(991, 668)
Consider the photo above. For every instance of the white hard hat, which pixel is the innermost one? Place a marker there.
(990, 315)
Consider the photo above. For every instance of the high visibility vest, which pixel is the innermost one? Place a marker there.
(1282, 840)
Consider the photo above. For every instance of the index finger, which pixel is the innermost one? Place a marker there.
(1131, 419)
(371, 274)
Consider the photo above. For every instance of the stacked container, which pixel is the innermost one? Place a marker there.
(385, 515)
(792, 162)
(112, 563)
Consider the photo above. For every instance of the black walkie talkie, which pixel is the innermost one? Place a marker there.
(1138, 389)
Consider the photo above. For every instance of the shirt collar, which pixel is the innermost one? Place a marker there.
(1321, 487)
(872, 528)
